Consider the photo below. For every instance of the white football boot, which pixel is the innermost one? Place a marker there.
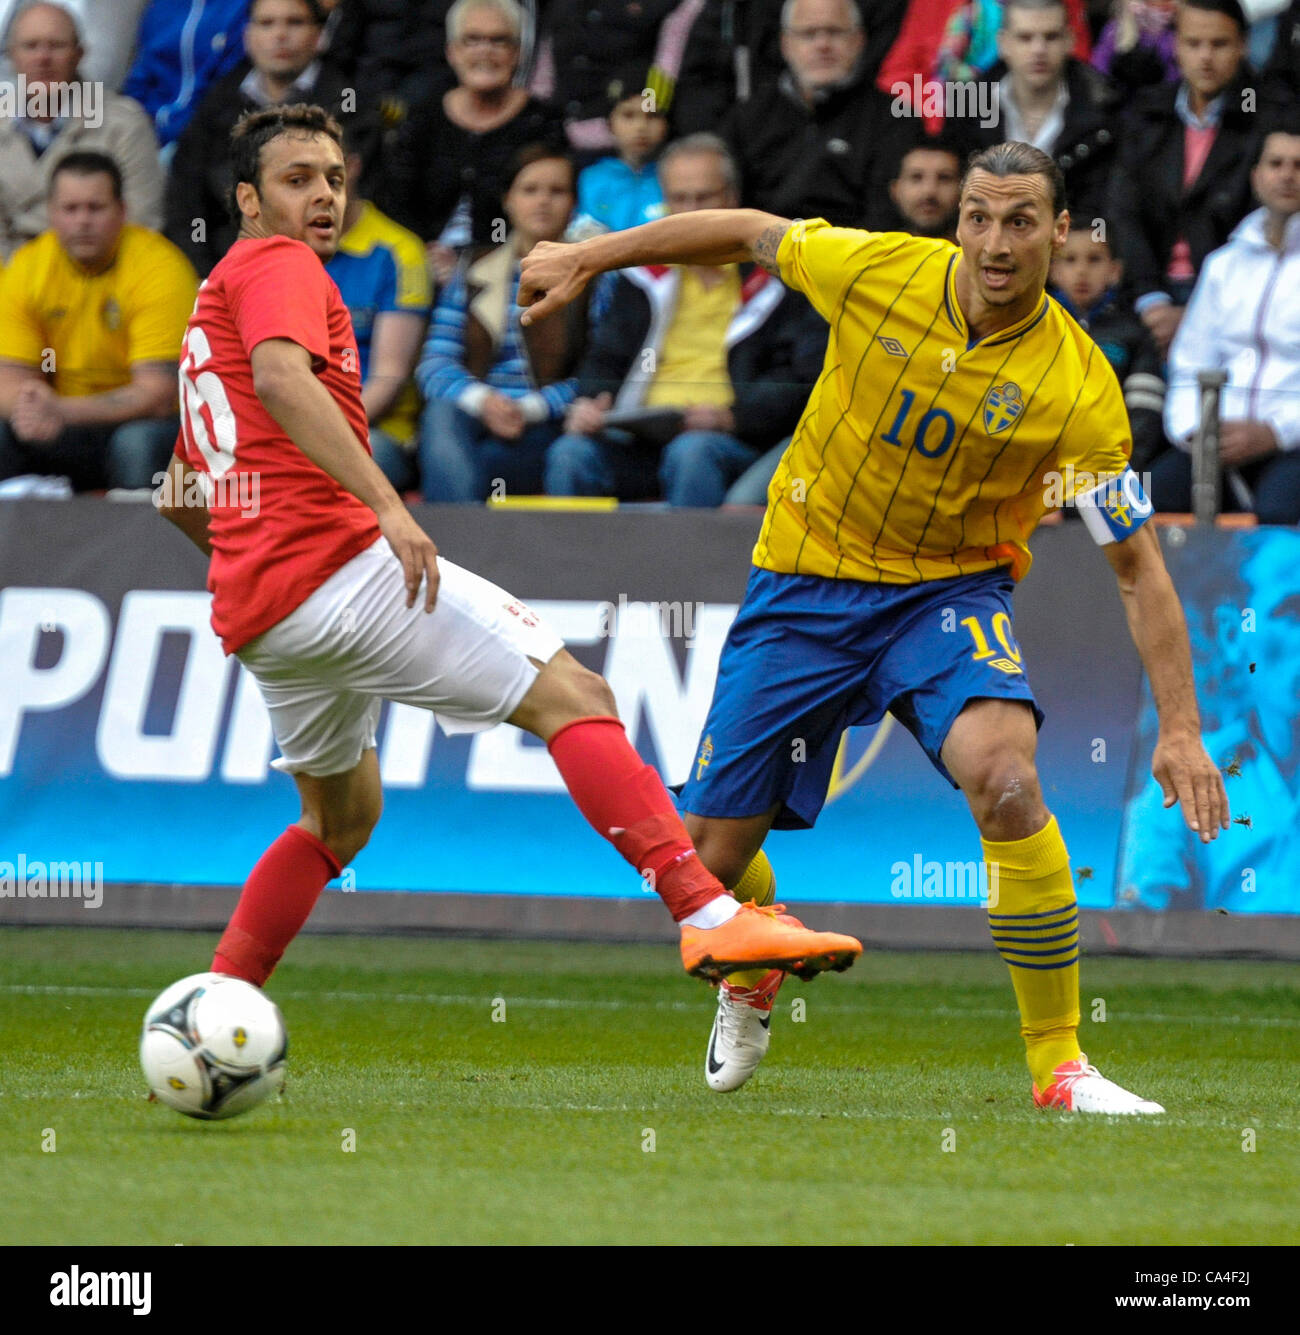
(740, 1032)
(1078, 1087)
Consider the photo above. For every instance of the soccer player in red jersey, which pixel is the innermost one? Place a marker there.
(335, 599)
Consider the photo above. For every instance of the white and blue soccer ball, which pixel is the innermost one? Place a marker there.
(213, 1046)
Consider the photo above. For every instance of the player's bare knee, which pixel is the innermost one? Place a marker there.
(1005, 797)
(576, 692)
(592, 694)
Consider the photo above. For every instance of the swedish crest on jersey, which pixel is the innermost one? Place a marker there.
(1003, 405)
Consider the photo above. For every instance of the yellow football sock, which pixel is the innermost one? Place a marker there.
(1034, 918)
(758, 882)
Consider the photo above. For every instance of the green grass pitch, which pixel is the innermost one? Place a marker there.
(582, 1114)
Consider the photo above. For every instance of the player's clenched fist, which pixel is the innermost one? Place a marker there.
(550, 276)
(415, 549)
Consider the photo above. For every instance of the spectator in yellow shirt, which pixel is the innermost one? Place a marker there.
(92, 314)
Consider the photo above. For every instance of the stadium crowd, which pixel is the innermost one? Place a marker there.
(477, 128)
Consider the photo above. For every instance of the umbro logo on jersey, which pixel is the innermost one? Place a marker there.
(1003, 404)
(891, 346)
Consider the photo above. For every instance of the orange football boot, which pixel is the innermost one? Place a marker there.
(757, 938)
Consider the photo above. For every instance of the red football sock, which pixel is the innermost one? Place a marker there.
(278, 898)
(627, 804)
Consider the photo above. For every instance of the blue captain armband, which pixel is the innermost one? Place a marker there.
(1115, 508)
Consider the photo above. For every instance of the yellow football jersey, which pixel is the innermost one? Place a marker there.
(920, 454)
(88, 330)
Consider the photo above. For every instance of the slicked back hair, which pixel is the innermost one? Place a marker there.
(1019, 159)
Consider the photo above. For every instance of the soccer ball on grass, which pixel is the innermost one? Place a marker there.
(213, 1046)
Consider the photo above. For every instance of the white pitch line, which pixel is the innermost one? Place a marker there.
(573, 1003)
(864, 1115)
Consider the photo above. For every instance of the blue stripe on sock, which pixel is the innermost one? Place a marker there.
(1033, 927)
(1015, 950)
(1047, 913)
(1064, 964)
(998, 939)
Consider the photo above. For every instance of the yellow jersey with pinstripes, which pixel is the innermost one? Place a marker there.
(922, 454)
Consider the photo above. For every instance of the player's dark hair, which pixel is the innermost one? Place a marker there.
(86, 162)
(314, 7)
(1228, 8)
(541, 152)
(255, 129)
(1019, 159)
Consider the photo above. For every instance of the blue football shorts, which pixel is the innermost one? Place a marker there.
(808, 657)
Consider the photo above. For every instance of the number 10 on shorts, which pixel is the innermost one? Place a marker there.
(1009, 661)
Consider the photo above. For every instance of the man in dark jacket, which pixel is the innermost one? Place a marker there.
(700, 358)
(282, 66)
(822, 141)
(391, 50)
(1051, 100)
(734, 49)
(1183, 178)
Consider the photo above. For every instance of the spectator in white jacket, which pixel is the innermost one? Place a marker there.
(1244, 318)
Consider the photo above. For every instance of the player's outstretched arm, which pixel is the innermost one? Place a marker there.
(291, 393)
(1182, 767)
(553, 273)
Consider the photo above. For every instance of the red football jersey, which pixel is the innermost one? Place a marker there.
(280, 525)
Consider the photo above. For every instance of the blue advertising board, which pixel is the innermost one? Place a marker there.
(127, 739)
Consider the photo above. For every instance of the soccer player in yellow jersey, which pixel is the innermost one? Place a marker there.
(954, 398)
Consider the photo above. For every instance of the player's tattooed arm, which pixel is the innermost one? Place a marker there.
(553, 273)
(769, 242)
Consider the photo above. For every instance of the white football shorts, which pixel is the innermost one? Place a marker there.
(327, 667)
